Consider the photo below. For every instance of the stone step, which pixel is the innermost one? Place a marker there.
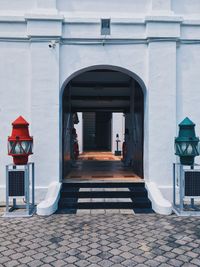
(104, 195)
(81, 193)
(107, 203)
(103, 184)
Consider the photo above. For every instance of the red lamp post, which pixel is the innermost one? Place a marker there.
(20, 143)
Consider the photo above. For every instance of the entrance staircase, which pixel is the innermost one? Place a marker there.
(98, 195)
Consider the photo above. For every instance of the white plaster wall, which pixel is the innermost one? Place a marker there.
(19, 5)
(188, 7)
(77, 57)
(103, 7)
(14, 96)
(45, 112)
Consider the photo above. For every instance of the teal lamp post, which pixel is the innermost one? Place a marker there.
(186, 144)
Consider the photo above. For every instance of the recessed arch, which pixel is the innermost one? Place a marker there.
(108, 67)
(111, 68)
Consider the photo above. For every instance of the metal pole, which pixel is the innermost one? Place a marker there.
(181, 188)
(27, 188)
(14, 203)
(33, 185)
(174, 185)
(7, 190)
(192, 199)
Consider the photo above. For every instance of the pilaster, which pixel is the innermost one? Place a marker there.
(161, 110)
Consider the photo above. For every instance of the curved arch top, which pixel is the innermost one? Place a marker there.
(106, 67)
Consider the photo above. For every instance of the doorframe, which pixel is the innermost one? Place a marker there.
(90, 68)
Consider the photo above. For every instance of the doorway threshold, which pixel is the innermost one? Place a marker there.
(104, 171)
(102, 180)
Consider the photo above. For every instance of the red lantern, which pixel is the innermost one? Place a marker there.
(20, 143)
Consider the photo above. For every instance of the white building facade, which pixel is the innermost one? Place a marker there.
(44, 44)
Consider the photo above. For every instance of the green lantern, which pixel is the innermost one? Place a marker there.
(186, 144)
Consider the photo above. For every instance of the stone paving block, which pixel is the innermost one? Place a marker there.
(106, 263)
(39, 256)
(140, 259)
(110, 239)
(127, 211)
(25, 260)
(83, 255)
(94, 265)
(94, 252)
(94, 259)
(35, 263)
(16, 256)
(161, 259)
(12, 263)
(196, 262)
(189, 265)
(152, 263)
(131, 263)
(82, 263)
(117, 259)
(112, 211)
(175, 262)
(127, 255)
(71, 259)
(165, 265)
(191, 254)
(59, 263)
(97, 211)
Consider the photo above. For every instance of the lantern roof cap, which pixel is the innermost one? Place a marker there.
(20, 121)
(187, 122)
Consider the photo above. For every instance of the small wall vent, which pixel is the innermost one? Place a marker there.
(105, 26)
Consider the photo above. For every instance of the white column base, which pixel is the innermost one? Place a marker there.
(159, 204)
(50, 204)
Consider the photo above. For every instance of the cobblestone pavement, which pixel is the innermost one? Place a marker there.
(100, 240)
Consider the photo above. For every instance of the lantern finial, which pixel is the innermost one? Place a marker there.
(20, 121)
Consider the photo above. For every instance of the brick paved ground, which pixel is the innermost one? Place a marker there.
(100, 240)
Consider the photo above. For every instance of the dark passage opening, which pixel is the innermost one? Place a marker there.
(97, 131)
(97, 95)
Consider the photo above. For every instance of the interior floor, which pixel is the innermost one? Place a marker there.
(101, 166)
(99, 156)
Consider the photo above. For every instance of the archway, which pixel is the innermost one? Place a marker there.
(99, 93)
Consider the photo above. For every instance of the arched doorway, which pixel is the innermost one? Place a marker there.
(99, 93)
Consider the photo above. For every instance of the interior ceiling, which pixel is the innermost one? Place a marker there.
(100, 90)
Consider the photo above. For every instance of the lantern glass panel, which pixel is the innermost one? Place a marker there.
(183, 147)
(190, 150)
(10, 146)
(18, 149)
(27, 146)
(178, 149)
(31, 147)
